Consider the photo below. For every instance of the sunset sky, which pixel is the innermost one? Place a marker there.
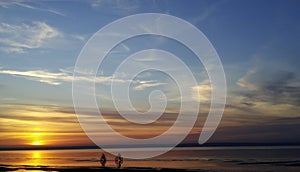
(257, 41)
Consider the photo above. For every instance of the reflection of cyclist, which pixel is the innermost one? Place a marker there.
(119, 160)
(103, 160)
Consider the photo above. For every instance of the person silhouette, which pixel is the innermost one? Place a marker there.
(119, 160)
(103, 160)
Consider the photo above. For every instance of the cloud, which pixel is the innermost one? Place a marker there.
(141, 85)
(12, 50)
(207, 11)
(79, 37)
(146, 59)
(119, 7)
(121, 49)
(56, 78)
(22, 3)
(257, 128)
(202, 92)
(53, 78)
(19, 38)
(243, 81)
(272, 87)
(40, 75)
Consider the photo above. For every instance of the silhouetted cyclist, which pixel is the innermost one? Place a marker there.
(119, 160)
(103, 160)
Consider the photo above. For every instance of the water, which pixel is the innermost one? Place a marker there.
(207, 158)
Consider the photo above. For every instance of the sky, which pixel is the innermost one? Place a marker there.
(257, 42)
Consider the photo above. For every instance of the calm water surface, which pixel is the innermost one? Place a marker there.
(209, 158)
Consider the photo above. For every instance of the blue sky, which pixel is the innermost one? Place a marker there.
(257, 41)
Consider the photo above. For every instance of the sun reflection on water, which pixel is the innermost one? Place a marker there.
(36, 158)
(36, 154)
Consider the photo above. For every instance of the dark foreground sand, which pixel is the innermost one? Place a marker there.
(93, 169)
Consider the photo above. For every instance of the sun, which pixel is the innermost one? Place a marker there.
(37, 143)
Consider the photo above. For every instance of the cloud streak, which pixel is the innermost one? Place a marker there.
(52, 78)
(146, 84)
(22, 3)
(116, 6)
(57, 78)
(207, 11)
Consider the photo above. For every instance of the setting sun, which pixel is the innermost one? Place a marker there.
(37, 143)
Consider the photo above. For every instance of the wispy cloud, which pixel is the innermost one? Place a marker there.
(202, 91)
(207, 11)
(116, 6)
(53, 78)
(243, 81)
(24, 4)
(79, 37)
(40, 75)
(141, 85)
(57, 78)
(272, 87)
(146, 59)
(19, 38)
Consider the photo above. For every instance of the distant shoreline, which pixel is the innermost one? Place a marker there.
(94, 169)
(124, 147)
